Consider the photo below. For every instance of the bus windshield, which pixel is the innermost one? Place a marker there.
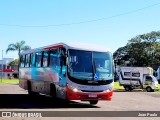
(86, 65)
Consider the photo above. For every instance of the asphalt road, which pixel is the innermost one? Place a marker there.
(13, 98)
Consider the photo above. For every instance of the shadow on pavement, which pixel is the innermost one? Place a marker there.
(24, 101)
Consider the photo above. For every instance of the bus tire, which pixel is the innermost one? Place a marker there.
(149, 89)
(93, 102)
(53, 90)
(30, 92)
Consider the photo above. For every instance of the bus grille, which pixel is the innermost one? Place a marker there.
(92, 91)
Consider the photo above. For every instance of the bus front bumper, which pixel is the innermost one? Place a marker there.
(76, 95)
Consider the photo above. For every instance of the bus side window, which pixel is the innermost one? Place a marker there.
(45, 59)
(22, 60)
(27, 60)
(53, 57)
(30, 60)
(33, 57)
(38, 59)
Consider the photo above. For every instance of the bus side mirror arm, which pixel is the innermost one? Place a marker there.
(62, 62)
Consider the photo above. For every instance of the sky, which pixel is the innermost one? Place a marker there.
(108, 23)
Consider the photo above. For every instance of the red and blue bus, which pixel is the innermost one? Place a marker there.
(68, 71)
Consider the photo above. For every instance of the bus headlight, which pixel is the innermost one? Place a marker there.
(75, 89)
(72, 88)
(109, 90)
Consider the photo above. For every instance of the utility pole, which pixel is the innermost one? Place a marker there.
(2, 67)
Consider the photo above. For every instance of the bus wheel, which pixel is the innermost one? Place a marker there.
(93, 102)
(30, 92)
(53, 91)
(149, 89)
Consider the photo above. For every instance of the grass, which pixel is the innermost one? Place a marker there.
(9, 81)
(118, 87)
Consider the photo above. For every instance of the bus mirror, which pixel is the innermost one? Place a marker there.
(63, 60)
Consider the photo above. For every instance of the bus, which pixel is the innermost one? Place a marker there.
(70, 71)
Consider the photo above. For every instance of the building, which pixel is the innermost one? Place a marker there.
(7, 71)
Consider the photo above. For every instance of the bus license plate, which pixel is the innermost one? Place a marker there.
(92, 95)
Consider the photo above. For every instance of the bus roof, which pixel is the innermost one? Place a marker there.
(77, 46)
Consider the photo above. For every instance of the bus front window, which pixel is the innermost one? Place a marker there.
(102, 66)
(86, 65)
(80, 64)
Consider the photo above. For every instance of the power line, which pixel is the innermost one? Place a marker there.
(82, 22)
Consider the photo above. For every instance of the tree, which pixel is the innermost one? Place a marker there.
(138, 55)
(19, 46)
(142, 50)
(121, 55)
(14, 62)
